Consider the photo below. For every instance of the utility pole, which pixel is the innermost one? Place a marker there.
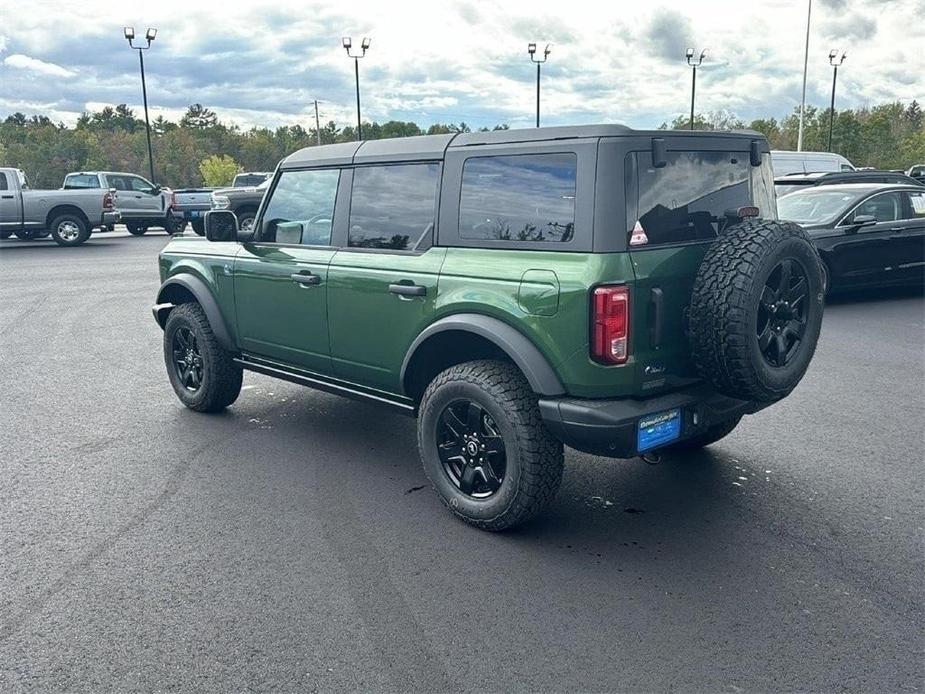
(150, 34)
(694, 66)
(347, 43)
(832, 55)
(317, 123)
(531, 49)
(809, 14)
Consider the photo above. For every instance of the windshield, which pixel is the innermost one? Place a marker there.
(816, 206)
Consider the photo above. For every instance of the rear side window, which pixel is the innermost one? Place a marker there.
(392, 206)
(686, 200)
(301, 208)
(523, 198)
(917, 203)
(77, 181)
(3, 184)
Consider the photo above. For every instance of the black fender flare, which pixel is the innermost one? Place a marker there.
(204, 297)
(528, 358)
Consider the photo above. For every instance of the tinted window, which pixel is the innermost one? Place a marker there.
(686, 200)
(917, 204)
(886, 207)
(392, 206)
(519, 198)
(3, 183)
(815, 205)
(81, 181)
(301, 208)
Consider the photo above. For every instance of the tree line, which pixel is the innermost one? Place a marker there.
(201, 150)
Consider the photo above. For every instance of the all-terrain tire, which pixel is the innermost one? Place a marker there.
(69, 230)
(708, 436)
(533, 458)
(729, 296)
(135, 229)
(221, 377)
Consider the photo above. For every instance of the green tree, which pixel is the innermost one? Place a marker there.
(198, 117)
(218, 170)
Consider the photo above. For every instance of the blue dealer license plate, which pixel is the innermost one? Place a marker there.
(658, 429)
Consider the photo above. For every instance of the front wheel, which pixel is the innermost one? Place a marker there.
(246, 220)
(69, 230)
(203, 375)
(199, 226)
(484, 446)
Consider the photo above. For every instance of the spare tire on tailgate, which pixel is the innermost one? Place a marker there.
(756, 310)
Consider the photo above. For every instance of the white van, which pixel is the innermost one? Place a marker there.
(785, 163)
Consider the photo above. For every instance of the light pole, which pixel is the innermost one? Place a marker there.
(129, 33)
(694, 66)
(356, 65)
(833, 54)
(531, 49)
(809, 15)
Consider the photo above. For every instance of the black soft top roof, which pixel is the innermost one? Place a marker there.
(429, 147)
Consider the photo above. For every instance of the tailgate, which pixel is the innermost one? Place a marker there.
(661, 296)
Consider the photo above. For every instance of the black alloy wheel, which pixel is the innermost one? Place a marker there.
(471, 449)
(187, 359)
(782, 313)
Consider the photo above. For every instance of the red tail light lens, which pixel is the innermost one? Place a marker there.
(610, 319)
(173, 200)
(107, 201)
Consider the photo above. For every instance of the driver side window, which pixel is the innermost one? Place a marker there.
(301, 209)
(886, 207)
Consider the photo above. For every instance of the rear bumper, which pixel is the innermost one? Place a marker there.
(111, 218)
(609, 427)
(190, 213)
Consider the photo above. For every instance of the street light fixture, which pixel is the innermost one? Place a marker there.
(833, 56)
(694, 65)
(150, 34)
(364, 44)
(531, 49)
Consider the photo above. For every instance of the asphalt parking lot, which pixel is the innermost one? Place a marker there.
(290, 543)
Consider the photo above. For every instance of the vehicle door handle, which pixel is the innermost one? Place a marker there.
(6, 197)
(408, 289)
(305, 278)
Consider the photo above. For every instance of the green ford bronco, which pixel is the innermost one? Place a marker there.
(613, 290)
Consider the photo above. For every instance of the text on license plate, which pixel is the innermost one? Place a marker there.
(658, 429)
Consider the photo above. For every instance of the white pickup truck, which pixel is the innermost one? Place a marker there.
(141, 203)
(69, 215)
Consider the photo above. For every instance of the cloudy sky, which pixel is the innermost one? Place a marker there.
(261, 63)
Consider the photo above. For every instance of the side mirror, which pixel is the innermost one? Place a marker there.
(154, 190)
(221, 225)
(861, 221)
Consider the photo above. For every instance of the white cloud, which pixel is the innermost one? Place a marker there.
(24, 62)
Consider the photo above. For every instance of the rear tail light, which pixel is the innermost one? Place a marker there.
(108, 202)
(173, 200)
(610, 319)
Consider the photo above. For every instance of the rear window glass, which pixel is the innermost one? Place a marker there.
(687, 199)
(521, 198)
(81, 181)
(392, 206)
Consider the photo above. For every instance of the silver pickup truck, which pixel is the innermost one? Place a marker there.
(69, 215)
(141, 203)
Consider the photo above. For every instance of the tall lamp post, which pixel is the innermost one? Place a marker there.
(129, 33)
(833, 56)
(694, 66)
(809, 16)
(531, 49)
(348, 43)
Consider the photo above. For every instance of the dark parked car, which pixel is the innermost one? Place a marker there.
(866, 233)
(788, 184)
(613, 290)
(243, 201)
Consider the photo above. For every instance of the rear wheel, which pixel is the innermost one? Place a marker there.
(69, 230)
(203, 374)
(135, 229)
(484, 446)
(199, 226)
(172, 225)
